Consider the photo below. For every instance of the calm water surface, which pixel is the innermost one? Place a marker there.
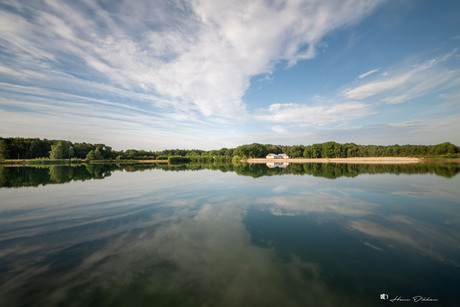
(307, 235)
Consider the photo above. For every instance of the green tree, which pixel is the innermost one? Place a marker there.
(328, 149)
(308, 151)
(105, 151)
(351, 149)
(3, 150)
(253, 150)
(130, 153)
(82, 149)
(274, 149)
(448, 148)
(94, 155)
(38, 148)
(70, 152)
(59, 151)
(338, 150)
(229, 152)
(316, 150)
(295, 151)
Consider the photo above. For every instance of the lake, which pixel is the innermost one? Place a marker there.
(230, 235)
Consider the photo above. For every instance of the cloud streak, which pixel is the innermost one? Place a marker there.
(362, 76)
(407, 84)
(201, 54)
(314, 115)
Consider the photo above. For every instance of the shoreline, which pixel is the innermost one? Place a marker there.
(354, 160)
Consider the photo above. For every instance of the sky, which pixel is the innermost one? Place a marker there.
(208, 74)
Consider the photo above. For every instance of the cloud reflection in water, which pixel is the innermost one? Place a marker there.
(194, 238)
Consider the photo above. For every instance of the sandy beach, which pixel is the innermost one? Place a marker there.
(357, 160)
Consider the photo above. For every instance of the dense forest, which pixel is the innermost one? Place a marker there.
(33, 148)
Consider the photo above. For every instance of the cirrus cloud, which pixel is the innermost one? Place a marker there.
(408, 83)
(199, 54)
(319, 115)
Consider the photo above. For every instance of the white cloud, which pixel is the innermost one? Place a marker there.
(142, 69)
(279, 129)
(362, 76)
(205, 239)
(417, 131)
(416, 81)
(317, 203)
(377, 230)
(198, 54)
(314, 115)
(34, 112)
(374, 88)
(408, 83)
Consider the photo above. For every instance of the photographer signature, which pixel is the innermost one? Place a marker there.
(415, 299)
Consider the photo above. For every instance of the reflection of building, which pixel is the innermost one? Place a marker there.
(277, 164)
(277, 156)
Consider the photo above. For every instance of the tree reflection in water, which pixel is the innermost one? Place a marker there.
(20, 176)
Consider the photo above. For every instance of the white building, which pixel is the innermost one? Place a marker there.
(284, 156)
(277, 156)
(273, 156)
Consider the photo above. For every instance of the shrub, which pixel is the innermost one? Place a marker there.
(178, 159)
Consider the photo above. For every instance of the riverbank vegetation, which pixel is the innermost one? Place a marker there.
(38, 151)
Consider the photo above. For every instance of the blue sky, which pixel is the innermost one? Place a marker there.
(209, 74)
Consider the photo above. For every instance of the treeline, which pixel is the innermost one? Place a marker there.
(337, 150)
(33, 148)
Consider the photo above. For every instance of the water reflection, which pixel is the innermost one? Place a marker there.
(207, 238)
(52, 174)
(278, 164)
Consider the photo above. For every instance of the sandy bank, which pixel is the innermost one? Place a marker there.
(359, 160)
